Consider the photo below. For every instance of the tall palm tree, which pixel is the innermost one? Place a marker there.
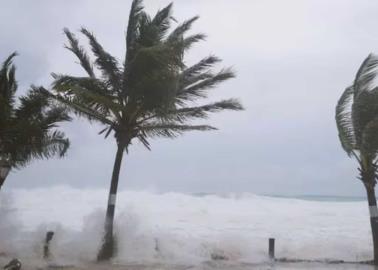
(357, 123)
(151, 94)
(27, 127)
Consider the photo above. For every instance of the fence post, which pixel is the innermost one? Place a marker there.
(271, 248)
(46, 247)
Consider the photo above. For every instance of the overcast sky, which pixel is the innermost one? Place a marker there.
(293, 60)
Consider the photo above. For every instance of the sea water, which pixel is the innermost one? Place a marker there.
(186, 229)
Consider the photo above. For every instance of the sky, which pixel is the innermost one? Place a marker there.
(293, 60)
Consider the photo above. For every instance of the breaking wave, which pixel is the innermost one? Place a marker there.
(181, 228)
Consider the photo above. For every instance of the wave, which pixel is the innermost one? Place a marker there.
(181, 228)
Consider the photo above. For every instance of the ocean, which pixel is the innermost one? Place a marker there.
(184, 229)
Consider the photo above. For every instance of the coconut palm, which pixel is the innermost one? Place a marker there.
(27, 127)
(357, 123)
(150, 94)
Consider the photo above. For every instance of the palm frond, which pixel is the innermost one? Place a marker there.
(171, 130)
(198, 72)
(8, 62)
(188, 42)
(79, 51)
(344, 121)
(31, 104)
(41, 147)
(201, 66)
(365, 75)
(132, 30)
(182, 29)
(185, 114)
(104, 61)
(79, 108)
(202, 83)
(8, 83)
(91, 91)
(162, 20)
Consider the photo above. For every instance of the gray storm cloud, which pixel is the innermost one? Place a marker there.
(293, 60)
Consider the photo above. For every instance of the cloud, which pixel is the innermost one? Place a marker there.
(293, 60)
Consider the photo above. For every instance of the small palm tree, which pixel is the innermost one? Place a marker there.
(27, 128)
(357, 123)
(149, 95)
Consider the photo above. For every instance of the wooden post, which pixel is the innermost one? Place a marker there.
(46, 248)
(271, 248)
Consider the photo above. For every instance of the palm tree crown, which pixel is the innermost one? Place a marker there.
(151, 93)
(357, 119)
(357, 122)
(27, 127)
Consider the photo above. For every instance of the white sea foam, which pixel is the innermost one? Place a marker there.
(182, 228)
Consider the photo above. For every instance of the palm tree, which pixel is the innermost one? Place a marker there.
(357, 123)
(149, 95)
(27, 128)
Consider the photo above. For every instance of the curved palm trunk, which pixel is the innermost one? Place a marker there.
(108, 245)
(373, 210)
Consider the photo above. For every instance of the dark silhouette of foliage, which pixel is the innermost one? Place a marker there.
(27, 127)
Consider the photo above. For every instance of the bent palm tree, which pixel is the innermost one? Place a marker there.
(357, 123)
(149, 95)
(27, 130)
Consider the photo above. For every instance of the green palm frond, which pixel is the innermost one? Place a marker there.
(104, 61)
(64, 83)
(201, 66)
(185, 114)
(344, 121)
(8, 83)
(31, 104)
(79, 52)
(8, 62)
(42, 147)
(366, 74)
(162, 21)
(179, 32)
(197, 86)
(92, 92)
(79, 108)
(171, 130)
(188, 42)
(132, 30)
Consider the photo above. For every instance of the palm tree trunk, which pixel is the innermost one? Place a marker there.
(2, 180)
(108, 246)
(373, 210)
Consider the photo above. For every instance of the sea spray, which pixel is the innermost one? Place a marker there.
(181, 228)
